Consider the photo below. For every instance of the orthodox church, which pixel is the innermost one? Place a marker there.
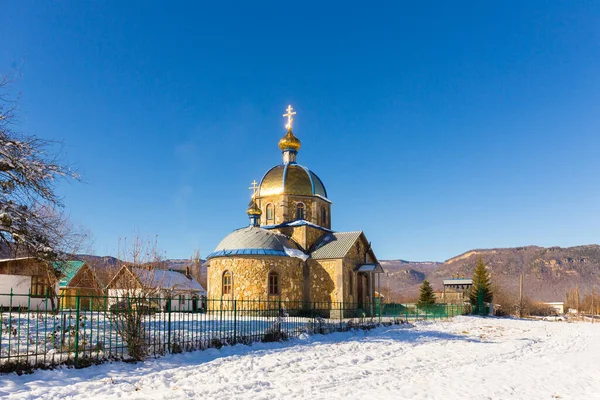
(289, 252)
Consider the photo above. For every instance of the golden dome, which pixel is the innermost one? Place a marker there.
(253, 208)
(291, 178)
(289, 142)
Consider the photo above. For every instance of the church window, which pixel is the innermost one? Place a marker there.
(273, 284)
(227, 282)
(300, 214)
(323, 216)
(269, 212)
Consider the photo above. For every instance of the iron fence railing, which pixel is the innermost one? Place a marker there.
(414, 311)
(37, 333)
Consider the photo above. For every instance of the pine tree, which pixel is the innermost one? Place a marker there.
(427, 297)
(481, 281)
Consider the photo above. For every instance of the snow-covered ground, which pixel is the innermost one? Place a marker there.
(464, 358)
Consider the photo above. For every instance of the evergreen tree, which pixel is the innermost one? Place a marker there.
(481, 281)
(427, 297)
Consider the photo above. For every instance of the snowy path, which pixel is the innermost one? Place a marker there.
(467, 358)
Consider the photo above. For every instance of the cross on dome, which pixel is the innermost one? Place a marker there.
(289, 116)
(254, 188)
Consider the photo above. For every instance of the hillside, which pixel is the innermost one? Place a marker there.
(548, 272)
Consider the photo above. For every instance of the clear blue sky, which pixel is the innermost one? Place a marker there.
(435, 127)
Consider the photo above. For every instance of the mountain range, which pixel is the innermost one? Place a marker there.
(548, 271)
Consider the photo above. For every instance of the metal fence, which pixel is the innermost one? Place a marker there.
(37, 333)
(415, 312)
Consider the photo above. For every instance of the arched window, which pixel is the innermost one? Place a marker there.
(300, 214)
(227, 278)
(323, 216)
(273, 284)
(269, 212)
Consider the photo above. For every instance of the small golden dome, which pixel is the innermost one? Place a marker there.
(253, 208)
(289, 142)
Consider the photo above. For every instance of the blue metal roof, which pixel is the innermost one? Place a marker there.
(247, 252)
(254, 240)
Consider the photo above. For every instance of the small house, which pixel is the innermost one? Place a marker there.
(165, 289)
(27, 282)
(78, 280)
(456, 290)
(558, 306)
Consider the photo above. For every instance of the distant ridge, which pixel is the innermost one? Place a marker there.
(548, 271)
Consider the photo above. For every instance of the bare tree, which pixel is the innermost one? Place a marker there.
(30, 211)
(135, 291)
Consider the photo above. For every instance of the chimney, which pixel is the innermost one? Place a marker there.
(187, 272)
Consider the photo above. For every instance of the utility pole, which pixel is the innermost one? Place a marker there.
(577, 299)
(593, 309)
(521, 296)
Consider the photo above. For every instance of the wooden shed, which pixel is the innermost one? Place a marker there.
(78, 279)
(27, 282)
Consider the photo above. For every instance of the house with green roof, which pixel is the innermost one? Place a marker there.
(78, 280)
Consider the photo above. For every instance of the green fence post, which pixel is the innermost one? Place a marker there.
(169, 323)
(10, 307)
(313, 318)
(29, 319)
(234, 321)
(77, 331)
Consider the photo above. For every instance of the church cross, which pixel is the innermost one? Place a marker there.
(254, 188)
(289, 115)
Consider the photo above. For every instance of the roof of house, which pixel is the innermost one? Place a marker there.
(14, 259)
(456, 281)
(167, 279)
(335, 245)
(68, 270)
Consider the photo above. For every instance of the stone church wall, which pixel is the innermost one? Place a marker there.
(250, 278)
(325, 280)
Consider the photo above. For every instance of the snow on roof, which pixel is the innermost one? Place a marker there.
(296, 253)
(167, 279)
(458, 281)
(298, 222)
(15, 259)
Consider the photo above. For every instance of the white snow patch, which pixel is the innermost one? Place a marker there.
(296, 253)
(467, 358)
